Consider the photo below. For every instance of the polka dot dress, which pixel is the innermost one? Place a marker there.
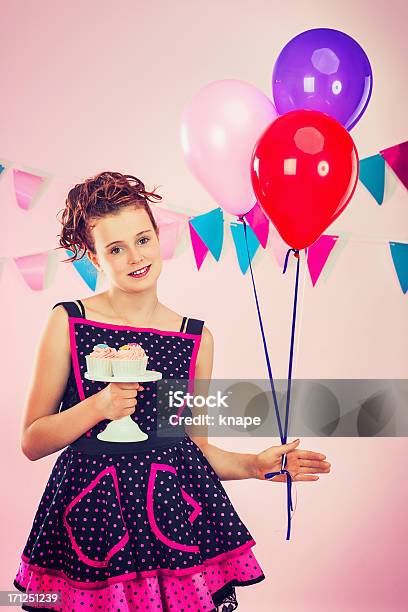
(126, 527)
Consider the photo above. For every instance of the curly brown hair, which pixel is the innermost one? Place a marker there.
(103, 194)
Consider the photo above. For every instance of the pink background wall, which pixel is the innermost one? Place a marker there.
(88, 87)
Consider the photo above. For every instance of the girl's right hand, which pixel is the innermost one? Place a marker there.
(117, 400)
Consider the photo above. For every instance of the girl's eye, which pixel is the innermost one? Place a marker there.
(146, 239)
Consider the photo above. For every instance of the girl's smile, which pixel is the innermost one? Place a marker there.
(141, 272)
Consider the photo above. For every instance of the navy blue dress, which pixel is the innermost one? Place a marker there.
(133, 526)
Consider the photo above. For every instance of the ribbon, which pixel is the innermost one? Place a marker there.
(283, 436)
(288, 494)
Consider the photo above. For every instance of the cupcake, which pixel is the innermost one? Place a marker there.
(98, 362)
(129, 360)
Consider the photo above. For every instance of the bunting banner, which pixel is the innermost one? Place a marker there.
(397, 159)
(399, 253)
(238, 235)
(165, 216)
(259, 223)
(200, 250)
(26, 188)
(85, 269)
(210, 228)
(317, 255)
(169, 236)
(207, 229)
(171, 226)
(38, 270)
(372, 175)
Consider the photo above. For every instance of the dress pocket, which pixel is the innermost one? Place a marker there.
(171, 510)
(94, 520)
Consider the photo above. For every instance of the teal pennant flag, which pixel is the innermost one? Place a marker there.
(399, 252)
(372, 175)
(86, 270)
(210, 228)
(238, 234)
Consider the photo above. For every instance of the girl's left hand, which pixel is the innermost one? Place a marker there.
(301, 464)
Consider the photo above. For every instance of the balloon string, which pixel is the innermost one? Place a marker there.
(268, 363)
(300, 309)
(292, 337)
(283, 437)
(292, 343)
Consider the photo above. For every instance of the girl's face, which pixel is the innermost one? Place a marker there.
(125, 243)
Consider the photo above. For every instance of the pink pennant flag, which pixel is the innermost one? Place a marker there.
(164, 216)
(259, 222)
(397, 158)
(278, 246)
(200, 249)
(171, 225)
(318, 254)
(169, 235)
(26, 187)
(38, 269)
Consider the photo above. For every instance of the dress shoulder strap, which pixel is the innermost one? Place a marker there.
(74, 309)
(194, 326)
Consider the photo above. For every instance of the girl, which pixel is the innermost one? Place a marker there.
(126, 526)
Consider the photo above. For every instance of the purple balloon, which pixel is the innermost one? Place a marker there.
(324, 70)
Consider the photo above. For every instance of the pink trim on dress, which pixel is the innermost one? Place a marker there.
(144, 573)
(75, 361)
(124, 539)
(191, 374)
(193, 361)
(74, 347)
(156, 593)
(162, 332)
(154, 468)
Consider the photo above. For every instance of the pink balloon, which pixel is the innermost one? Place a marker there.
(220, 127)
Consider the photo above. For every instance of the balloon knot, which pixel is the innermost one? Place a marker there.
(296, 254)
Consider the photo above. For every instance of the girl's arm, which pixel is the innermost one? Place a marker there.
(302, 464)
(44, 430)
(226, 464)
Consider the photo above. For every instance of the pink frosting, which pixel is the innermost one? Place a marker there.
(134, 351)
(105, 352)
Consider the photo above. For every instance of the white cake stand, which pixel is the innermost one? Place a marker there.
(124, 429)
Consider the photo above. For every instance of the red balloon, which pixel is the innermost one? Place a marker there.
(304, 171)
